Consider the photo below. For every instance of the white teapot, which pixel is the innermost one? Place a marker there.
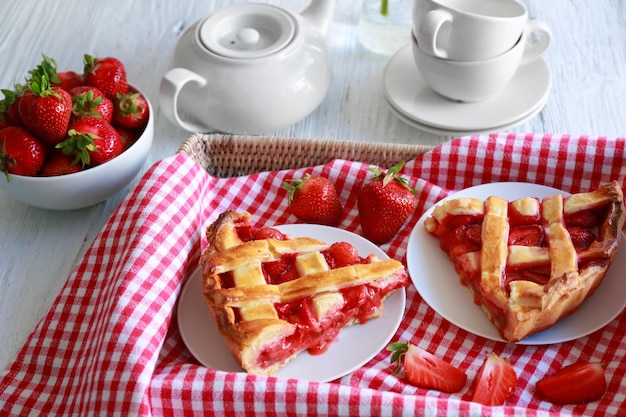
(249, 69)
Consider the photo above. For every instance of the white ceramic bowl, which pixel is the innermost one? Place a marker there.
(85, 188)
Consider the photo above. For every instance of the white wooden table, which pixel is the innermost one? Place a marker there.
(39, 247)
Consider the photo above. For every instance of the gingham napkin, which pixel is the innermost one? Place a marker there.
(110, 344)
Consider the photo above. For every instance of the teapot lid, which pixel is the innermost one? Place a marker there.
(247, 31)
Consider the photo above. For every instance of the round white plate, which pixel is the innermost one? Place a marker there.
(407, 92)
(355, 346)
(458, 133)
(434, 277)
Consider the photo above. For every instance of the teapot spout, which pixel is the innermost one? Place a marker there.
(319, 13)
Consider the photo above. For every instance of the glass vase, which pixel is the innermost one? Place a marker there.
(385, 34)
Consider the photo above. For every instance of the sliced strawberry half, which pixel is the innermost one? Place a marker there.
(580, 382)
(425, 370)
(494, 382)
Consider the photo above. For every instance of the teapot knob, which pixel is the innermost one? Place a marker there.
(248, 37)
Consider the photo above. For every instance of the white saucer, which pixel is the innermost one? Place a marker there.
(459, 133)
(408, 94)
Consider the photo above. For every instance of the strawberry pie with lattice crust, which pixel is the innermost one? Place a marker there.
(274, 296)
(531, 262)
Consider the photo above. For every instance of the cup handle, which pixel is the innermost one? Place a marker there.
(538, 36)
(171, 85)
(428, 31)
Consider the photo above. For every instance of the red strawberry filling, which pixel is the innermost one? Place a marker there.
(461, 234)
(313, 333)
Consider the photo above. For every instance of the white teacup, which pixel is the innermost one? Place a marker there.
(468, 30)
(472, 81)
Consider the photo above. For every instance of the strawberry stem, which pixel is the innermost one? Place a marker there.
(6, 161)
(398, 349)
(391, 175)
(293, 185)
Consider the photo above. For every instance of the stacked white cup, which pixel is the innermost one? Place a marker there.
(469, 50)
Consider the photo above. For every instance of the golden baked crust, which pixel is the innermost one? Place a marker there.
(257, 319)
(522, 286)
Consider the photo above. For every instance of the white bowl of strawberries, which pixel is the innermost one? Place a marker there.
(69, 140)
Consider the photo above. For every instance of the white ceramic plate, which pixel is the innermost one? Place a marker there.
(356, 344)
(407, 92)
(435, 279)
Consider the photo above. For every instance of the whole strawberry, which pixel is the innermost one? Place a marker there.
(68, 80)
(21, 153)
(92, 141)
(45, 110)
(106, 74)
(9, 113)
(314, 200)
(131, 110)
(385, 203)
(59, 163)
(128, 136)
(89, 101)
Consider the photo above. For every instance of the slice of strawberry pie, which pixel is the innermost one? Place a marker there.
(273, 296)
(531, 262)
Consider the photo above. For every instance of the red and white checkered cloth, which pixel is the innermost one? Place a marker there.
(110, 344)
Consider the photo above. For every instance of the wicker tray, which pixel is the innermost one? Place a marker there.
(236, 155)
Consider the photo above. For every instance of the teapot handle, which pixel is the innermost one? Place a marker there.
(171, 85)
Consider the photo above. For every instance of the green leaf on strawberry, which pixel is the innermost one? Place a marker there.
(78, 144)
(92, 141)
(47, 67)
(131, 110)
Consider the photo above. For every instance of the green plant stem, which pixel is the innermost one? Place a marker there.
(384, 7)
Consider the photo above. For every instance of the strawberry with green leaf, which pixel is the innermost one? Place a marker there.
(92, 141)
(494, 382)
(425, 370)
(385, 202)
(45, 110)
(89, 101)
(9, 112)
(314, 200)
(106, 74)
(131, 110)
(580, 382)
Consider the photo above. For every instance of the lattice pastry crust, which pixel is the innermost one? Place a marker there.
(260, 335)
(526, 287)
